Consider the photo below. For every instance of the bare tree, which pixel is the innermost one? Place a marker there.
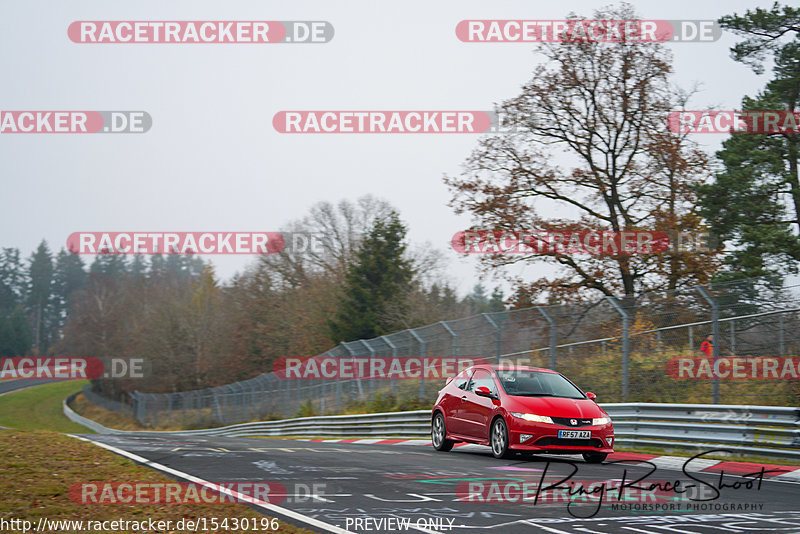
(589, 150)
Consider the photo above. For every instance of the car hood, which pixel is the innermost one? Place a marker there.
(554, 406)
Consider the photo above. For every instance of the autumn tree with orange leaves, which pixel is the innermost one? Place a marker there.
(589, 150)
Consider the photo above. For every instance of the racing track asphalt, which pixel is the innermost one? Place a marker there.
(416, 483)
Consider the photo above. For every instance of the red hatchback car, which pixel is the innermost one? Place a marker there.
(516, 408)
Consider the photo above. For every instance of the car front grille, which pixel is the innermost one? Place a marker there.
(567, 421)
(555, 442)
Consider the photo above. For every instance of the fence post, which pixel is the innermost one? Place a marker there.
(371, 357)
(287, 396)
(135, 397)
(625, 344)
(322, 403)
(270, 393)
(454, 346)
(394, 355)
(780, 333)
(553, 334)
(497, 331)
(244, 400)
(422, 355)
(358, 376)
(717, 340)
(184, 400)
(733, 336)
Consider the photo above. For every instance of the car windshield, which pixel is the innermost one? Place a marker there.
(537, 384)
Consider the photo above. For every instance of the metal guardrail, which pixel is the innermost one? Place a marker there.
(88, 423)
(756, 430)
(770, 431)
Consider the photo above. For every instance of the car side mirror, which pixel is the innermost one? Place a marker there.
(449, 379)
(483, 391)
(590, 395)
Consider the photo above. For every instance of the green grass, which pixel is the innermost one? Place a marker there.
(39, 408)
(40, 467)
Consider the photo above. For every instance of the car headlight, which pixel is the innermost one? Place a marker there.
(533, 417)
(601, 421)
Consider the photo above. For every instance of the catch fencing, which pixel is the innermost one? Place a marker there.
(624, 350)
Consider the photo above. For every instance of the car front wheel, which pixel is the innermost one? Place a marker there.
(499, 439)
(438, 433)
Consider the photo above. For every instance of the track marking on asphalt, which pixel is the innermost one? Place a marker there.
(791, 476)
(420, 498)
(546, 529)
(221, 489)
(702, 520)
(677, 463)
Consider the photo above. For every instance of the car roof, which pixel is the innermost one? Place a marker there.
(507, 367)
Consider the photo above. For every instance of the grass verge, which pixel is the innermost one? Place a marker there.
(107, 418)
(39, 408)
(39, 467)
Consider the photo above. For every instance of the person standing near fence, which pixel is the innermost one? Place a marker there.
(707, 346)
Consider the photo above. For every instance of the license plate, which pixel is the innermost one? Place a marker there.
(575, 434)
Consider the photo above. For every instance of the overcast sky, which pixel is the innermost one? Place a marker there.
(212, 160)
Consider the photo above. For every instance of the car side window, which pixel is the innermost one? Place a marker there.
(462, 379)
(482, 377)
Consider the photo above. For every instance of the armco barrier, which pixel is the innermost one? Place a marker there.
(88, 423)
(755, 430)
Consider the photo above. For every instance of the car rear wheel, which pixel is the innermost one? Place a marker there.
(438, 433)
(594, 457)
(499, 439)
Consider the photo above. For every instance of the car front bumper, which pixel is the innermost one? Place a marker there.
(540, 437)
